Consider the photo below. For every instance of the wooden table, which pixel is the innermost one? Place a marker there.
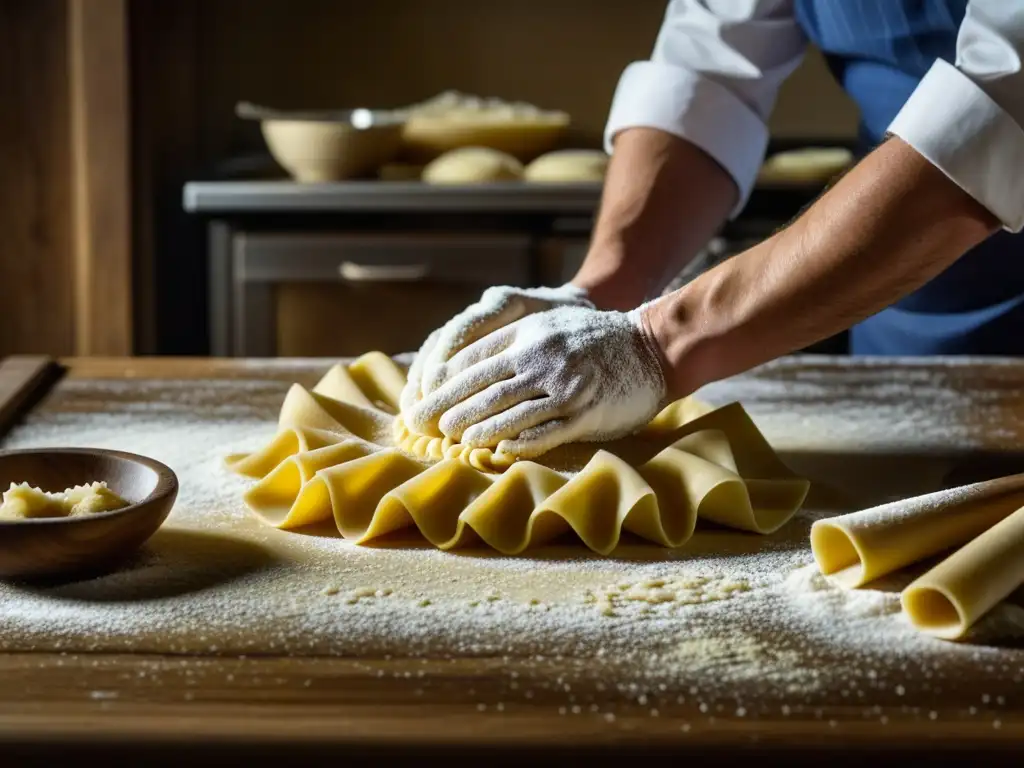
(166, 709)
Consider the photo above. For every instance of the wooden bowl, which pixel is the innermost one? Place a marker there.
(64, 547)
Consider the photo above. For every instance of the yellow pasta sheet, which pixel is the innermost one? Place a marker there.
(979, 528)
(341, 453)
(953, 595)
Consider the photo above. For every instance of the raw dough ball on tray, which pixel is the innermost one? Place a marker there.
(568, 165)
(472, 165)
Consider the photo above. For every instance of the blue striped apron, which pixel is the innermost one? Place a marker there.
(879, 50)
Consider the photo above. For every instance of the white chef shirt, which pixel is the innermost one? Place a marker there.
(717, 66)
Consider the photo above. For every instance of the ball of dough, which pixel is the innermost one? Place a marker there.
(568, 165)
(810, 164)
(472, 165)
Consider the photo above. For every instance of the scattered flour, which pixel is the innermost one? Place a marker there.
(825, 600)
(729, 618)
(896, 512)
(670, 594)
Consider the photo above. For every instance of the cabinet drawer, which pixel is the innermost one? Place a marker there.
(385, 258)
(340, 319)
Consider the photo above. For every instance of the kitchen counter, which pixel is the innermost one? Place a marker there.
(389, 196)
(777, 202)
(268, 239)
(865, 430)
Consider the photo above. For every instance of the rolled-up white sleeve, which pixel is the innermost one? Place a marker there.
(968, 119)
(712, 79)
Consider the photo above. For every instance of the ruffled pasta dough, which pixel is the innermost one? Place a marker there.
(343, 453)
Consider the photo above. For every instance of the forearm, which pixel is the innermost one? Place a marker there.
(663, 200)
(889, 226)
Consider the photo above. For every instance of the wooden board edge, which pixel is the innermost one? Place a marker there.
(24, 380)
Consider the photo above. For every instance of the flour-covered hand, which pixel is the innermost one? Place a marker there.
(569, 374)
(498, 307)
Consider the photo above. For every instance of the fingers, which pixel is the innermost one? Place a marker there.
(492, 313)
(485, 322)
(426, 414)
(487, 347)
(511, 422)
(540, 439)
(412, 391)
(499, 401)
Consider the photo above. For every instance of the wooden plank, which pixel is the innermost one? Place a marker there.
(168, 367)
(100, 141)
(35, 194)
(23, 380)
(511, 707)
(432, 704)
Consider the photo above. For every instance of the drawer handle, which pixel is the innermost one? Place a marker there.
(393, 273)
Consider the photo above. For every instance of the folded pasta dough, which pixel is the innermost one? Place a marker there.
(342, 454)
(953, 595)
(859, 547)
(487, 460)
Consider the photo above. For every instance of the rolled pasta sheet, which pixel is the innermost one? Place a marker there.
(859, 547)
(953, 595)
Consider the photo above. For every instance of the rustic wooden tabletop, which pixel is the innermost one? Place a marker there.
(261, 706)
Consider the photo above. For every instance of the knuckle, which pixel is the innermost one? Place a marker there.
(497, 294)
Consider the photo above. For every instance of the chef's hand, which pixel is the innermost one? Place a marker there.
(497, 307)
(570, 374)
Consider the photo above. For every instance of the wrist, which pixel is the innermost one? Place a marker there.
(607, 281)
(686, 343)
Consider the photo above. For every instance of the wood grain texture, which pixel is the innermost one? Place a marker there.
(506, 709)
(422, 706)
(100, 142)
(303, 311)
(22, 380)
(35, 193)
